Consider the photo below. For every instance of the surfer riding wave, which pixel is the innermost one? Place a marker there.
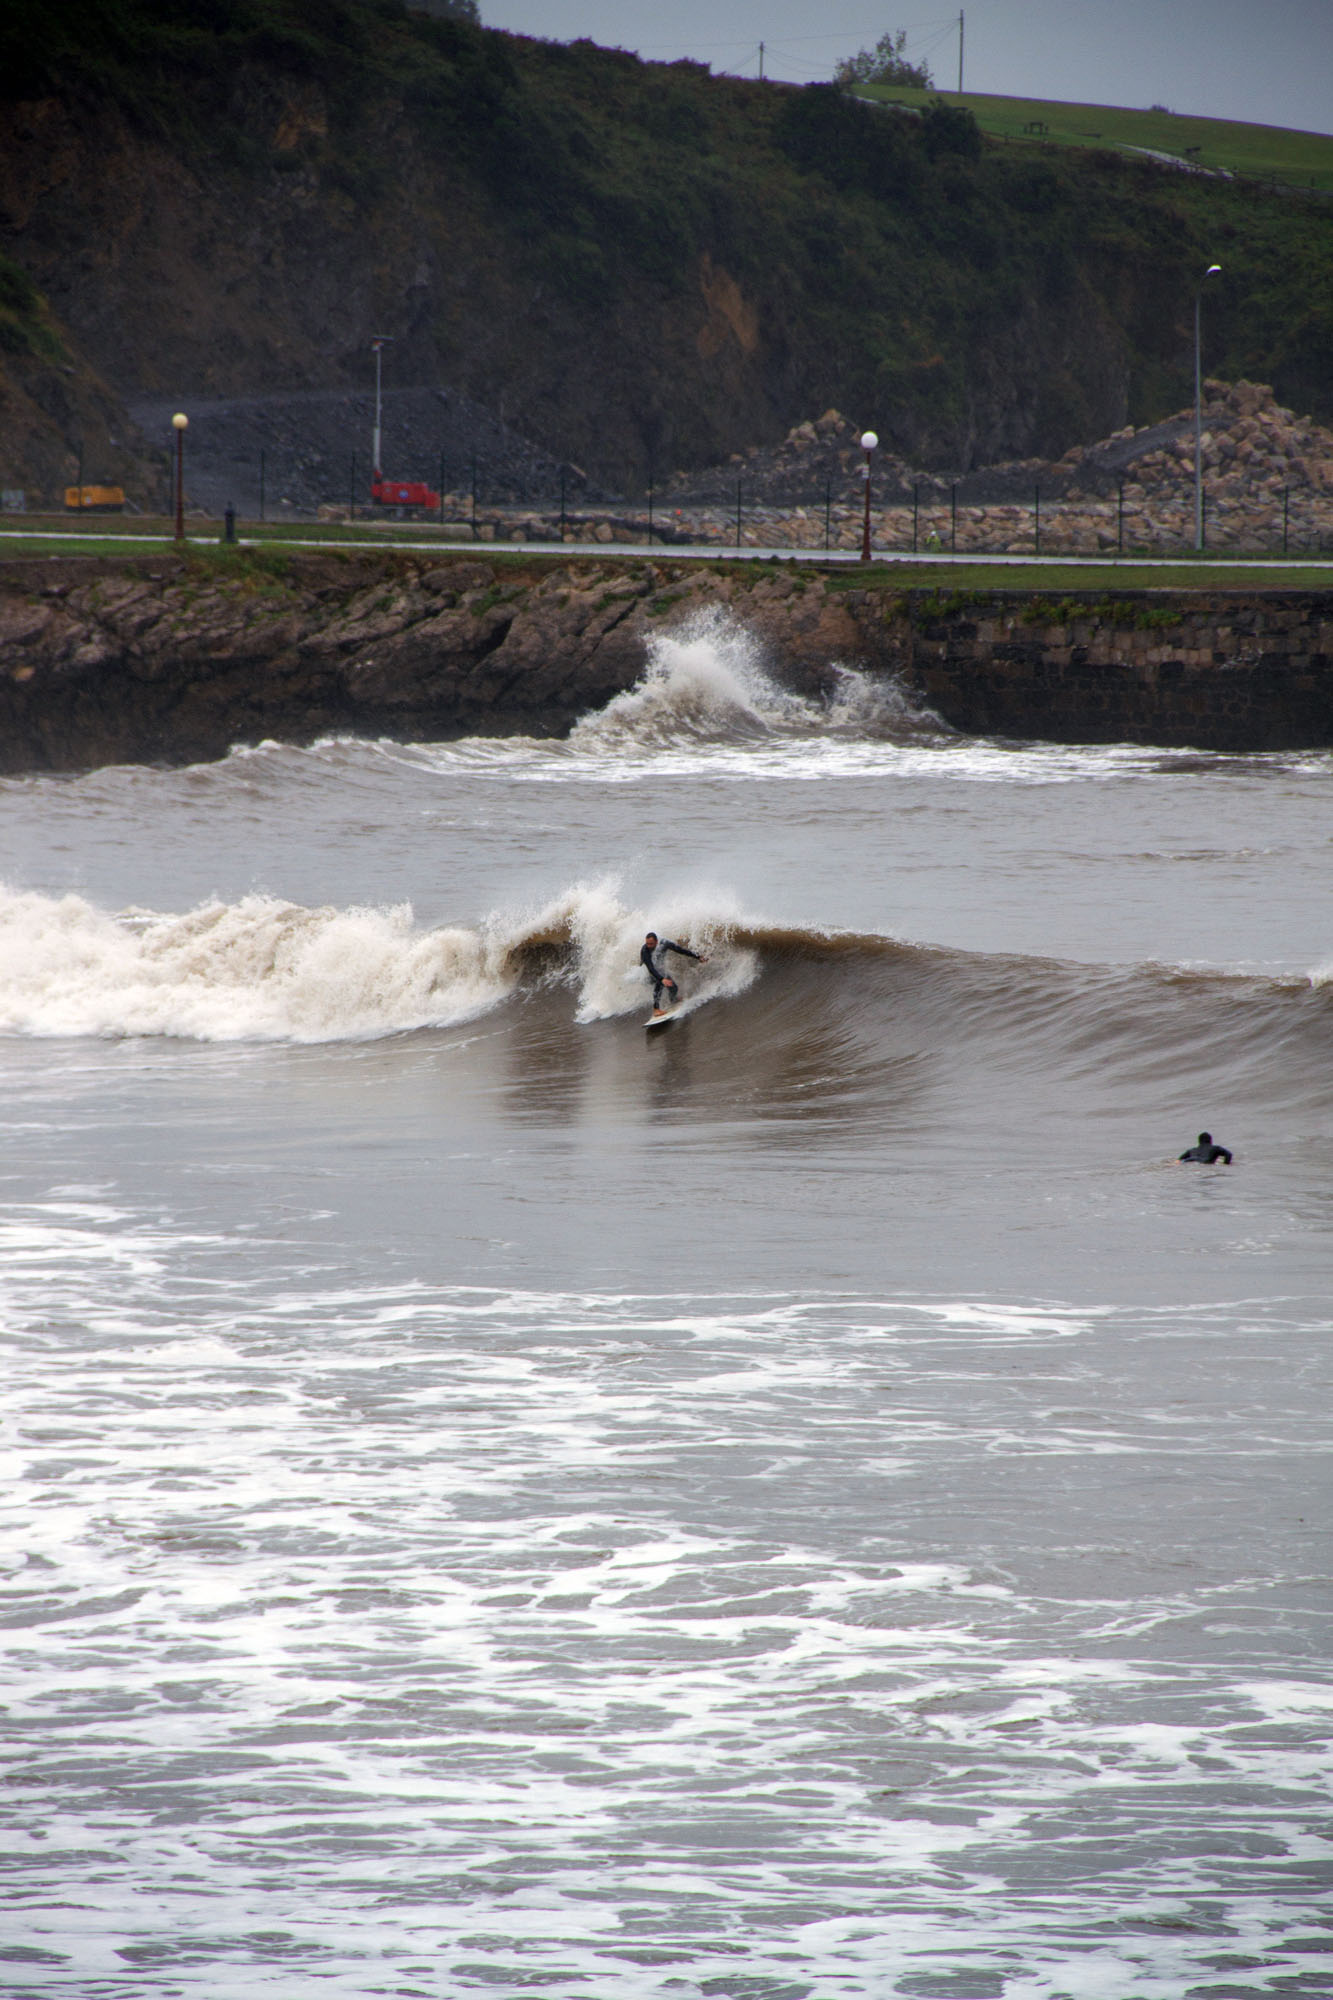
(654, 951)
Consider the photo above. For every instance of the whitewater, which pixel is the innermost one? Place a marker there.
(816, 1504)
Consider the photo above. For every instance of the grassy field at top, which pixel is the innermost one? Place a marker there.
(1268, 152)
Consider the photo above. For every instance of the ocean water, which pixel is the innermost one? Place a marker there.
(811, 1504)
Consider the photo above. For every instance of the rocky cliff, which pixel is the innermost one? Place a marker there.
(641, 267)
(177, 659)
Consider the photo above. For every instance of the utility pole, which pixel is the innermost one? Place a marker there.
(960, 51)
(1212, 271)
(378, 343)
(761, 62)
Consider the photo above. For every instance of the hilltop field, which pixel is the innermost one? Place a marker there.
(1301, 161)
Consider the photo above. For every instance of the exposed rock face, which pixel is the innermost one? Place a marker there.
(175, 660)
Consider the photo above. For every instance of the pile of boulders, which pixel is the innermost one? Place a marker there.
(822, 456)
(1267, 485)
(1263, 469)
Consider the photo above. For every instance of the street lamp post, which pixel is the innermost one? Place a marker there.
(1212, 271)
(180, 423)
(868, 443)
(378, 343)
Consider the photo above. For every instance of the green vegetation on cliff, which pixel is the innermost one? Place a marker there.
(24, 323)
(642, 264)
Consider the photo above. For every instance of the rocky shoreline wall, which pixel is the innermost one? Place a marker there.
(175, 659)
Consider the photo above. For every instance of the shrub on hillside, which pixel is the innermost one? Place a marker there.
(823, 131)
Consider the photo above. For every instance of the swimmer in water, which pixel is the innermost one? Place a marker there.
(1207, 1153)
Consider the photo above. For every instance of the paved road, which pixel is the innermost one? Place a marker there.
(692, 552)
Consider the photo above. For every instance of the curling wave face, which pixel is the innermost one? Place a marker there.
(833, 1026)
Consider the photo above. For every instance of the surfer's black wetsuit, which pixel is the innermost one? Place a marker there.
(657, 973)
(1206, 1153)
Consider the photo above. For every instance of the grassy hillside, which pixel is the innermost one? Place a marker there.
(644, 266)
(1300, 160)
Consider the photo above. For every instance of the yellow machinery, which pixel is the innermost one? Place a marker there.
(97, 499)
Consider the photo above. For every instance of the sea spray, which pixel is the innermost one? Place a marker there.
(608, 939)
(261, 969)
(706, 682)
(257, 969)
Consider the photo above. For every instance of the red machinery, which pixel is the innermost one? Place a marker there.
(402, 493)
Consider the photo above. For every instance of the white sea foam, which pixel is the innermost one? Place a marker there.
(586, 1626)
(265, 970)
(257, 969)
(703, 681)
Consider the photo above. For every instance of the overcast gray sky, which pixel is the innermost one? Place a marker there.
(1270, 61)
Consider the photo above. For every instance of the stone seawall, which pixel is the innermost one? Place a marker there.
(1219, 670)
(173, 660)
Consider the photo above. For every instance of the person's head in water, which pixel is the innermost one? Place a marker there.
(651, 938)
(1205, 1138)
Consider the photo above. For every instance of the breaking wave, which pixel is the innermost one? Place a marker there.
(261, 969)
(833, 1023)
(706, 682)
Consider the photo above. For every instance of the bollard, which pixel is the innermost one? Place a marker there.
(229, 523)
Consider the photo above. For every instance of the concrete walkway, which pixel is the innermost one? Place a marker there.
(690, 552)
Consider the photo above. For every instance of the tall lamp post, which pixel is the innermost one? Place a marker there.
(868, 443)
(180, 423)
(1212, 271)
(378, 342)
